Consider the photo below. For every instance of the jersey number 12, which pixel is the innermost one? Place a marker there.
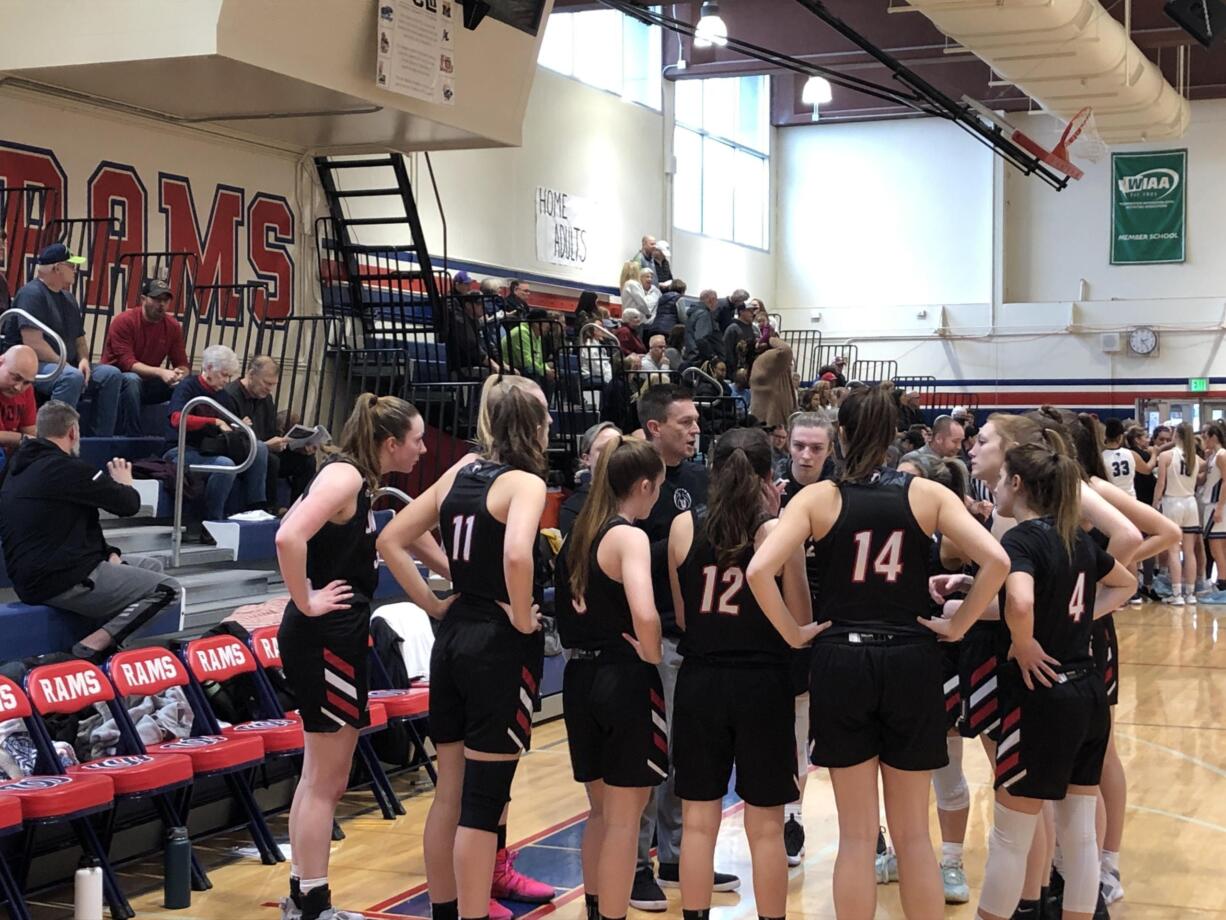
(733, 578)
(462, 536)
(888, 562)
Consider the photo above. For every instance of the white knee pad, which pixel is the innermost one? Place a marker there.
(950, 782)
(1079, 851)
(802, 731)
(1008, 847)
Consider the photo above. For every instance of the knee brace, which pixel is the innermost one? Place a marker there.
(1008, 847)
(949, 781)
(487, 789)
(1079, 851)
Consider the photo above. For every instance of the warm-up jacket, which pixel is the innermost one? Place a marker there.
(49, 505)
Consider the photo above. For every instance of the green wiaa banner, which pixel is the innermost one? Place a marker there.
(1149, 207)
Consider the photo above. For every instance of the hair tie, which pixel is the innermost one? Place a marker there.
(374, 400)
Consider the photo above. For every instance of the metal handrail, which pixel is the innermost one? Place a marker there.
(181, 465)
(392, 492)
(55, 336)
(701, 373)
(602, 330)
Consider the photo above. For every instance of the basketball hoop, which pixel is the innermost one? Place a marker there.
(1080, 137)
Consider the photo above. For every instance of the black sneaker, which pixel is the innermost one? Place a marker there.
(646, 893)
(794, 840)
(669, 875)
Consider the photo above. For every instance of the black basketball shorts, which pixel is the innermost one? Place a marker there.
(971, 705)
(735, 715)
(615, 721)
(1051, 737)
(802, 663)
(1105, 646)
(877, 699)
(327, 665)
(485, 678)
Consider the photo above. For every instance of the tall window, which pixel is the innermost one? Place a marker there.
(608, 50)
(722, 144)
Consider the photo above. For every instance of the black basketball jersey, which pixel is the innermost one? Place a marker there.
(606, 615)
(345, 551)
(1064, 588)
(873, 564)
(812, 568)
(473, 538)
(723, 621)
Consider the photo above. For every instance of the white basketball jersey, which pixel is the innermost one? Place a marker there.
(1213, 480)
(1121, 468)
(1181, 475)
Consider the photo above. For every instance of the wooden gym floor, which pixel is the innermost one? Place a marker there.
(1171, 732)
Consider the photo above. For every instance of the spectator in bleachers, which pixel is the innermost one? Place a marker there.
(517, 293)
(49, 298)
(617, 397)
(491, 296)
(668, 310)
(628, 332)
(54, 546)
(676, 346)
(740, 388)
(640, 293)
(703, 341)
(251, 399)
(762, 322)
(211, 440)
(741, 338)
(139, 342)
(728, 307)
(836, 371)
(590, 446)
(464, 283)
(773, 397)
(656, 359)
(586, 310)
(646, 256)
(468, 351)
(524, 352)
(661, 265)
(909, 411)
(18, 366)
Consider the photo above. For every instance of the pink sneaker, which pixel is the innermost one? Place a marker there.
(498, 912)
(515, 886)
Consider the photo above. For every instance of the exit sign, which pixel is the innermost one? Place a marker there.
(1198, 384)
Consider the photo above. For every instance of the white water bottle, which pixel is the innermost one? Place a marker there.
(87, 900)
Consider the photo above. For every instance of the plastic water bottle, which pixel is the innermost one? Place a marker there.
(87, 896)
(177, 870)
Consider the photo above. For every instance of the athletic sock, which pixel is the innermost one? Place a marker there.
(502, 837)
(295, 887)
(1111, 860)
(307, 885)
(951, 852)
(592, 905)
(445, 910)
(704, 914)
(1026, 910)
(792, 810)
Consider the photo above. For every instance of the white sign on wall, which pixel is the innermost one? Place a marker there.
(564, 227)
(415, 48)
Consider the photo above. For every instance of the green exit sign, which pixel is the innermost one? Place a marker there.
(1198, 384)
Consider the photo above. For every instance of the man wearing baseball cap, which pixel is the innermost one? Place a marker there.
(139, 343)
(49, 299)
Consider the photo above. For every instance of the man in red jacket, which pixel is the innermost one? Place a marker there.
(140, 342)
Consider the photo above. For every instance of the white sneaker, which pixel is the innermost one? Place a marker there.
(887, 867)
(1203, 585)
(953, 877)
(1191, 598)
(1111, 886)
(1176, 601)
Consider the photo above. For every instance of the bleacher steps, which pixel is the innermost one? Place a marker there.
(225, 584)
(140, 538)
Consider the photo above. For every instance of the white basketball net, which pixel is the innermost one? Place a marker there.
(1088, 144)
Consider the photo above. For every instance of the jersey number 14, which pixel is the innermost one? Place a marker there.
(887, 563)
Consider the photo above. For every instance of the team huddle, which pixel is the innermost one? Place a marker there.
(865, 622)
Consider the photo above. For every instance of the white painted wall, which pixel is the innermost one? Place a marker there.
(578, 140)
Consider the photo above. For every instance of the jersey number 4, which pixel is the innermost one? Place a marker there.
(733, 580)
(887, 563)
(1077, 603)
(462, 536)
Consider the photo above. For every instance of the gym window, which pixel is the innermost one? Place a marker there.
(607, 50)
(721, 141)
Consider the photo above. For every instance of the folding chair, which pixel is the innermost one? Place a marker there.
(51, 797)
(267, 651)
(410, 705)
(145, 671)
(10, 891)
(165, 778)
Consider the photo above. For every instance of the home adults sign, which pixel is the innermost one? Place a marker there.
(1149, 207)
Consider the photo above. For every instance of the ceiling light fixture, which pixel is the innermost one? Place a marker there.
(711, 29)
(817, 91)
